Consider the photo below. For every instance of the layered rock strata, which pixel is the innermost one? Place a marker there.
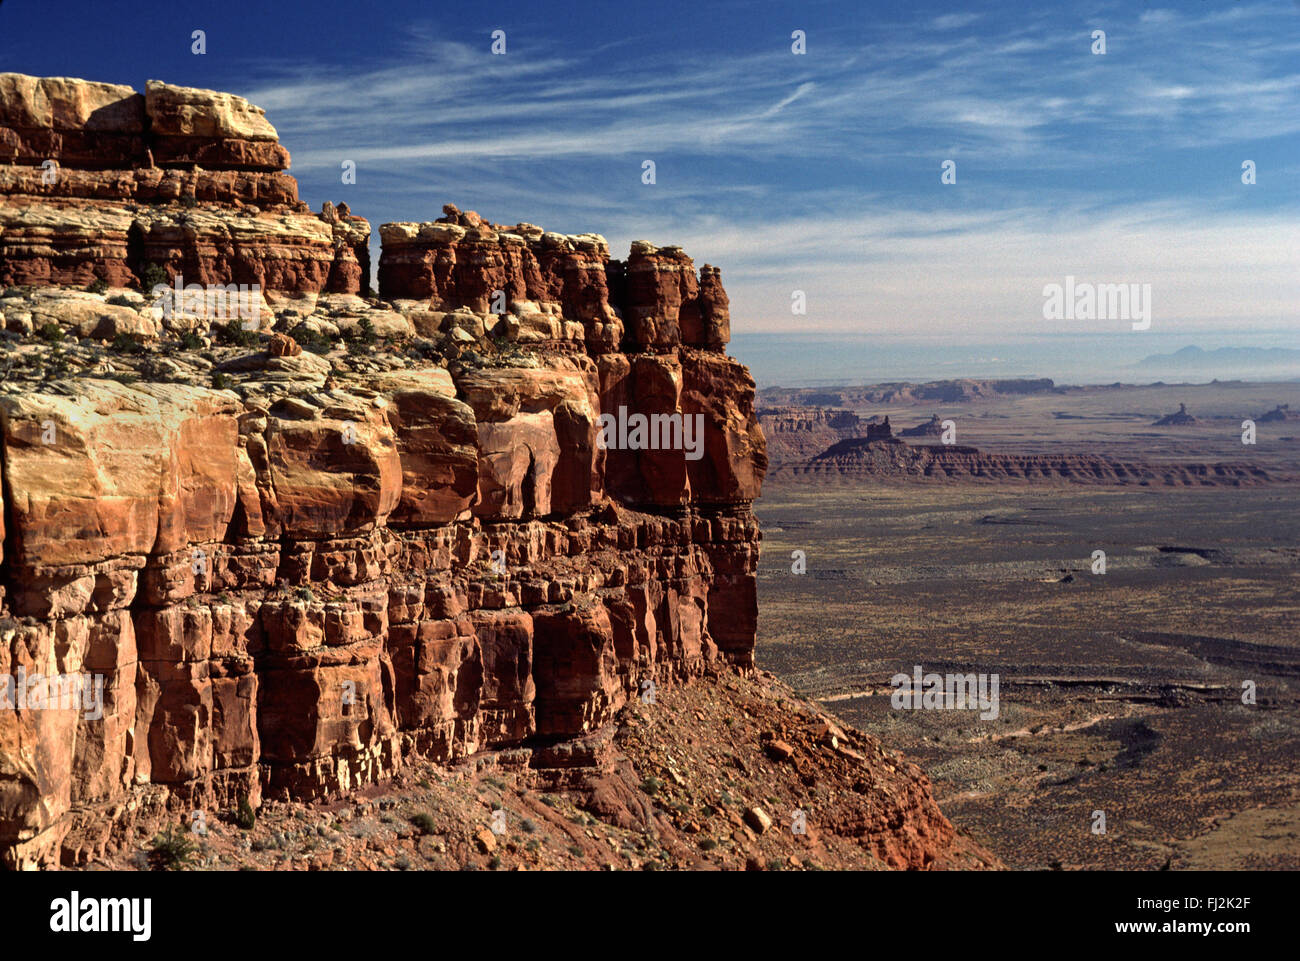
(406, 541)
(99, 182)
(653, 302)
(861, 459)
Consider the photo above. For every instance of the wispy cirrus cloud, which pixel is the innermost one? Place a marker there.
(822, 171)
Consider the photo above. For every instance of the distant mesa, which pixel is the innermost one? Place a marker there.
(1179, 418)
(1279, 413)
(858, 460)
(795, 433)
(1195, 358)
(931, 428)
(959, 391)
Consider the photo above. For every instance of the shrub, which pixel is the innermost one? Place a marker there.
(245, 817)
(126, 344)
(233, 332)
(362, 336)
(316, 341)
(220, 381)
(152, 276)
(191, 341)
(652, 785)
(50, 332)
(120, 300)
(57, 364)
(172, 850)
(97, 286)
(424, 821)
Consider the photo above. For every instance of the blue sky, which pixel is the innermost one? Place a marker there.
(818, 172)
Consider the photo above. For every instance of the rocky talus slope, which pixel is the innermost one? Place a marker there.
(337, 538)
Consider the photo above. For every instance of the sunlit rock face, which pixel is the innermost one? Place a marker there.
(292, 570)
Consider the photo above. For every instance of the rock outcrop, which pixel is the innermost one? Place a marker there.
(1179, 418)
(1279, 414)
(795, 434)
(99, 182)
(330, 560)
(294, 552)
(860, 459)
(931, 428)
(556, 286)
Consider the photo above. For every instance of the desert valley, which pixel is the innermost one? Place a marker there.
(1121, 687)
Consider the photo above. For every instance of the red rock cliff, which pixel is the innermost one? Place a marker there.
(100, 182)
(331, 561)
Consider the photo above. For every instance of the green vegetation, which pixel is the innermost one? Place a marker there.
(50, 332)
(424, 821)
(316, 341)
(245, 817)
(172, 850)
(152, 276)
(126, 344)
(232, 332)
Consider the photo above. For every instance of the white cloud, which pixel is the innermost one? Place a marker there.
(760, 153)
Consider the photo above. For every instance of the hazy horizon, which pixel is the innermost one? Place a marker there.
(821, 360)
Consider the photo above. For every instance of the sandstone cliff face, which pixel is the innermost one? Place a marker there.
(347, 535)
(103, 183)
(293, 582)
(654, 302)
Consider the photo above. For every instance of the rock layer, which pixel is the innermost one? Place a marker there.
(388, 530)
(99, 182)
(861, 459)
(653, 301)
(289, 588)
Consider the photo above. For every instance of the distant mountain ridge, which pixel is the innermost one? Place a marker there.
(1196, 357)
(959, 390)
